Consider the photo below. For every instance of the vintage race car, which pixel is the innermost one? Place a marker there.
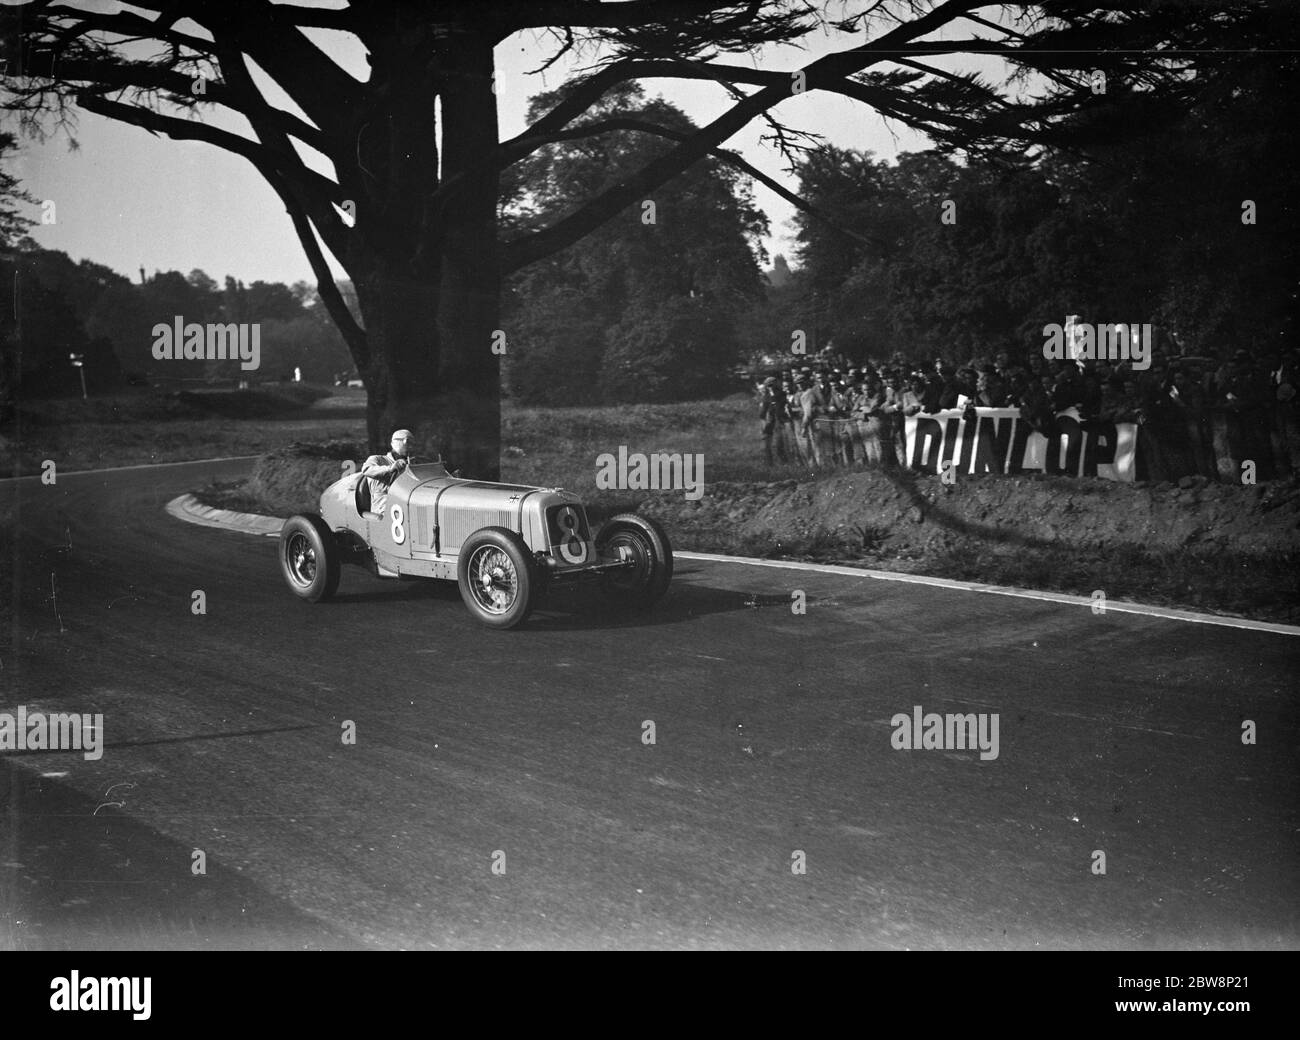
(505, 544)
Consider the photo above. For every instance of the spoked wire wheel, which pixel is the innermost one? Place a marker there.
(300, 558)
(496, 576)
(310, 560)
(493, 579)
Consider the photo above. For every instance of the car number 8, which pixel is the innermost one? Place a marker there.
(572, 547)
(399, 528)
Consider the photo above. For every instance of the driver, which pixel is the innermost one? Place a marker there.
(382, 470)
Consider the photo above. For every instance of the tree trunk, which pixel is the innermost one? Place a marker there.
(429, 283)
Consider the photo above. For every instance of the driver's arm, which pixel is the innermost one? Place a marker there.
(378, 466)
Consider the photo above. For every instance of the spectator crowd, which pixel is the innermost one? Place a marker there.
(1197, 414)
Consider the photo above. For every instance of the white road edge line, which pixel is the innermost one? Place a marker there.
(193, 512)
(1118, 606)
(126, 469)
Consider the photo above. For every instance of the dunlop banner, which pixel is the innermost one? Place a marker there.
(1000, 441)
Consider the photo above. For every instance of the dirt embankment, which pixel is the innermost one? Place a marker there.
(290, 480)
(904, 513)
(1196, 545)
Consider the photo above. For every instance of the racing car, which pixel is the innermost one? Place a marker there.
(505, 544)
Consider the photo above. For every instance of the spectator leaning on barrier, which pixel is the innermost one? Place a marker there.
(891, 408)
(1282, 375)
(963, 386)
(1036, 407)
(867, 411)
(948, 386)
(840, 408)
(1186, 388)
(1219, 377)
(834, 394)
(1068, 389)
(1090, 396)
(811, 404)
(932, 391)
(1282, 384)
(910, 402)
(772, 412)
(1171, 424)
(824, 387)
(1243, 386)
(1017, 384)
(1161, 446)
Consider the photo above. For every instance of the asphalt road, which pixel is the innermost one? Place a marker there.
(223, 733)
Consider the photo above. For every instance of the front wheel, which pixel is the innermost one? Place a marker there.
(309, 559)
(496, 577)
(643, 543)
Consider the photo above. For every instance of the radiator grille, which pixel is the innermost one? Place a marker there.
(459, 524)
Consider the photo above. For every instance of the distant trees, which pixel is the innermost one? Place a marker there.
(63, 307)
(13, 222)
(644, 308)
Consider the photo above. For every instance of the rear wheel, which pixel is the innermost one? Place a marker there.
(645, 544)
(496, 576)
(309, 559)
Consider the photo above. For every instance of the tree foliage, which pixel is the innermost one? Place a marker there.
(609, 319)
(1147, 222)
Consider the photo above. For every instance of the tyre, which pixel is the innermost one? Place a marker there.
(496, 577)
(647, 544)
(309, 559)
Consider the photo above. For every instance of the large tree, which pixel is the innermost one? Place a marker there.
(411, 209)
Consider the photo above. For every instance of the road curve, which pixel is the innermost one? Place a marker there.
(501, 791)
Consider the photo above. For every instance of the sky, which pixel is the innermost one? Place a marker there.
(127, 199)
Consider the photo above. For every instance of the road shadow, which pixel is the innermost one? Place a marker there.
(936, 510)
(590, 610)
(570, 609)
(74, 878)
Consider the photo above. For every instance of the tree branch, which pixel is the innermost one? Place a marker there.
(249, 104)
(344, 19)
(605, 126)
(623, 15)
(325, 218)
(328, 95)
(131, 25)
(353, 334)
(181, 129)
(830, 69)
